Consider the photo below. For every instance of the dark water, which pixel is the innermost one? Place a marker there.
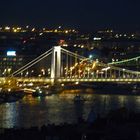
(61, 108)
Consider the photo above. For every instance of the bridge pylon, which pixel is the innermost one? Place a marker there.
(56, 63)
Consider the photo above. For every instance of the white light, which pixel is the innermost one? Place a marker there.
(105, 69)
(9, 90)
(62, 85)
(90, 56)
(76, 83)
(7, 28)
(41, 34)
(11, 53)
(97, 38)
(30, 84)
(65, 45)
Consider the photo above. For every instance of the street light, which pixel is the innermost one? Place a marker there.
(27, 73)
(32, 72)
(79, 73)
(43, 71)
(106, 69)
(88, 72)
(123, 73)
(9, 70)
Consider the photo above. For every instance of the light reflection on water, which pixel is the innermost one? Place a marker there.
(61, 108)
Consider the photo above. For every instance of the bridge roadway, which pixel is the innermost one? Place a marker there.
(40, 80)
(65, 80)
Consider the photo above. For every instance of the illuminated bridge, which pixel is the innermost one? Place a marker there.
(61, 66)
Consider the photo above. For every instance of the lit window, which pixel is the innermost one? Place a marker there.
(4, 59)
(14, 59)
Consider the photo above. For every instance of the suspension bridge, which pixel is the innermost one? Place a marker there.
(60, 65)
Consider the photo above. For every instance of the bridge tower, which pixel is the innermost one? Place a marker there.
(56, 62)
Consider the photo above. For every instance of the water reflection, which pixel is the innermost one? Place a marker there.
(61, 108)
(8, 115)
(79, 109)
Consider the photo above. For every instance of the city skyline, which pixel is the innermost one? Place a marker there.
(84, 15)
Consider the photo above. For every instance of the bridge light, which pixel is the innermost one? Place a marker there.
(43, 71)
(33, 29)
(76, 83)
(32, 71)
(62, 85)
(9, 69)
(30, 84)
(40, 34)
(105, 69)
(66, 31)
(94, 64)
(15, 30)
(9, 89)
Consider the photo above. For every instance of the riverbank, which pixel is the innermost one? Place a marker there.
(11, 96)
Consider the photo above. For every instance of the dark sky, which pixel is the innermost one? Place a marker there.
(81, 14)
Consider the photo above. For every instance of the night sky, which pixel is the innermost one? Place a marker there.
(87, 15)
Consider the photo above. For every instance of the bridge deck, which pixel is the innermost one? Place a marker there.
(48, 80)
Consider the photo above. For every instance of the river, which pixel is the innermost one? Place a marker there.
(61, 108)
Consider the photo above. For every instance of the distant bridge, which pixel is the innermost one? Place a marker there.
(66, 66)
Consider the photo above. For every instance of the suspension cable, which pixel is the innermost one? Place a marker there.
(28, 66)
(73, 54)
(32, 61)
(124, 61)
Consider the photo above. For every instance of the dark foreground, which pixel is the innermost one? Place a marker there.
(117, 125)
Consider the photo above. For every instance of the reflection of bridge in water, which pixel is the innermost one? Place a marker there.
(60, 65)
